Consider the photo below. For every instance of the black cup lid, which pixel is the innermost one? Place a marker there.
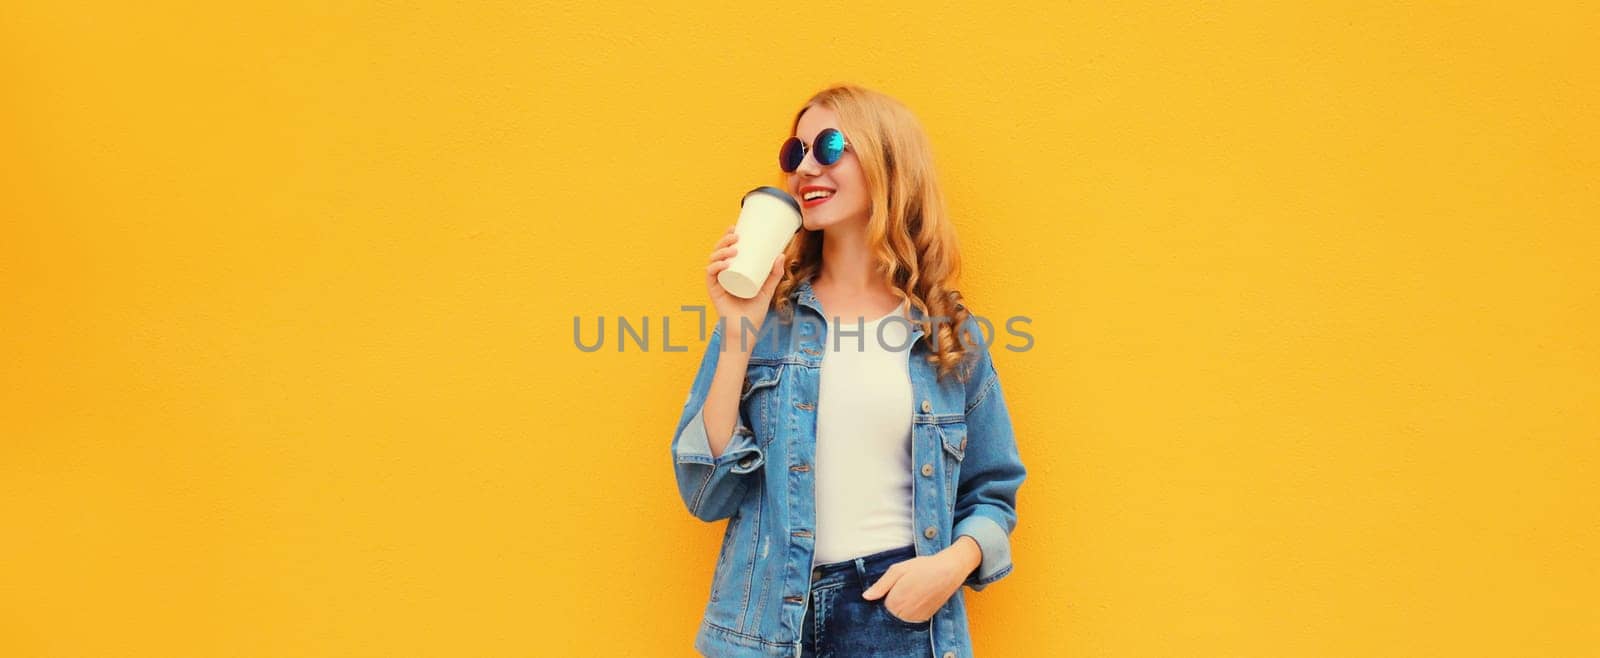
(768, 189)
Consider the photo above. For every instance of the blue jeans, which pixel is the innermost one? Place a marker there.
(841, 624)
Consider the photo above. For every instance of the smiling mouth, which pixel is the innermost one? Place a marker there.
(812, 203)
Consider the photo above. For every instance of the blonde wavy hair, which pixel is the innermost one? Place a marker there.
(909, 231)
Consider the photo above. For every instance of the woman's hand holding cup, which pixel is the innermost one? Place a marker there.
(730, 308)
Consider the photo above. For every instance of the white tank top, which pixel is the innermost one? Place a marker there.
(863, 462)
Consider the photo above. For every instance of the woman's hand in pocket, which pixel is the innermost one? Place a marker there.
(915, 589)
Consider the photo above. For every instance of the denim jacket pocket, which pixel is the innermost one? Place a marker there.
(954, 438)
(759, 376)
(760, 380)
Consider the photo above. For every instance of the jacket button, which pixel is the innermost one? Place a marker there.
(949, 654)
(929, 532)
(744, 462)
(927, 469)
(927, 407)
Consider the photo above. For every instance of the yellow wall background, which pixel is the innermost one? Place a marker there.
(287, 294)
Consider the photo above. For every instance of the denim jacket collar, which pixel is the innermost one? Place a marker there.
(803, 295)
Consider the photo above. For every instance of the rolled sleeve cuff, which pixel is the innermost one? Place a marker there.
(995, 544)
(694, 447)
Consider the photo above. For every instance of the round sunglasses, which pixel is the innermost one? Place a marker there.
(828, 147)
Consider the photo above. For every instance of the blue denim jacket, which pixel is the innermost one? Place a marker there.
(965, 480)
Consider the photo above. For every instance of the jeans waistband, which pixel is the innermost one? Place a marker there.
(864, 570)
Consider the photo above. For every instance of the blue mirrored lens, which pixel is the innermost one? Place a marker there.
(829, 146)
(790, 154)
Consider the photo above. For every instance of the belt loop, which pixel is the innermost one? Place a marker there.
(861, 573)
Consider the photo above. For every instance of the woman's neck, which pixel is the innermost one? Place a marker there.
(849, 282)
(847, 266)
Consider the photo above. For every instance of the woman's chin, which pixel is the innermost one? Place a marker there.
(818, 222)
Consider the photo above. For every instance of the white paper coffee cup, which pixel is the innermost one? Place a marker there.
(768, 219)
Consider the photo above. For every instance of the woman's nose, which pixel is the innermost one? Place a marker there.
(808, 166)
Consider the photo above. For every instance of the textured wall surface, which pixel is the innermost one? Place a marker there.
(287, 296)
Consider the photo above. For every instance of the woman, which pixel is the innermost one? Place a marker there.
(856, 441)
